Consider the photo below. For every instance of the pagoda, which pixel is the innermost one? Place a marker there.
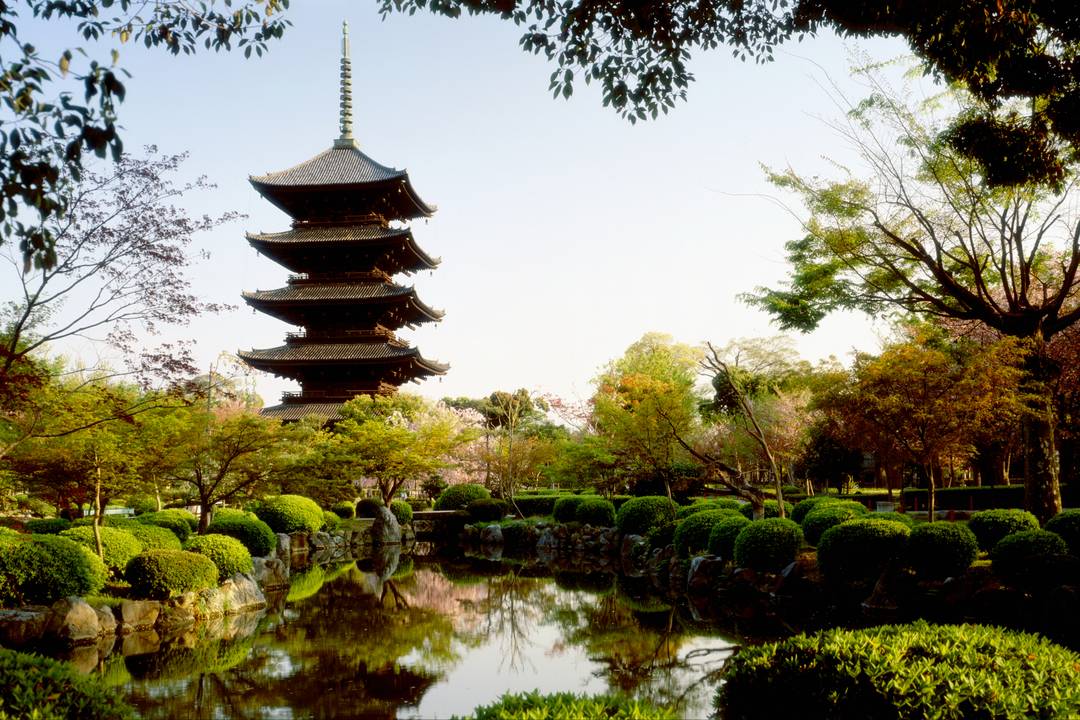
(348, 240)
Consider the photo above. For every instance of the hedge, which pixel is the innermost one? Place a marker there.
(344, 509)
(227, 553)
(723, 534)
(256, 535)
(161, 574)
(916, 671)
(47, 526)
(1066, 524)
(772, 510)
(486, 510)
(939, 550)
(823, 517)
(535, 505)
(597, 512)
(118, 546)
(856, 552)
(568, 706)
(291, 513)
(692, 534)
(990, 526)
(456, 497)
(986, 497)
(181, 522)
(639, 515)
(402, 511)
(40, 687)
(769, 544)
(368, 507)
(40, 569)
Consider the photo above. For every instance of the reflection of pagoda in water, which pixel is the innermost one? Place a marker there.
(344, 252)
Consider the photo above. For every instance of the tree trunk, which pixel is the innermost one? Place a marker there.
(98, 513)
(206, 509)
(931, 505)
(1042, 488)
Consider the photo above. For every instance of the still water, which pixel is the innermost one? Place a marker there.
(431, 640)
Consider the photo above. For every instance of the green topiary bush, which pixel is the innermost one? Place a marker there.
(40, 569)
(153, 537)
(47, 526)
(227, 553)
(990, 526)
(641, 514)
(820, 519)
(662, 535)
(456, 497)
(723, 534)
(330, 521)
(1066, 524)
(568, 706)
(368, 507)
(402, 511)
(799, 512)
(256, 535)
(291, 513)
(535, 505)
(772, 510)
(855, 552)
(344, 509)
(181, 522)
(692, 534)
(565, 508)
(1017, 554)
(161, 574)
(950, 672)
(597, 512)
(46, 689)
(486, 510)
(899, 517)
(769, 544)
(118, 546)
(939, 550)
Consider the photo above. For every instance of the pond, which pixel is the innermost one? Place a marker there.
(434, 640)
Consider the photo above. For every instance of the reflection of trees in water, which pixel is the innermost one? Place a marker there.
(510, 610)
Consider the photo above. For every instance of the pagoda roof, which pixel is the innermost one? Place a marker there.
(291, 412)
(342, 182)
(340, 353)
(293, 302)
(285, 247)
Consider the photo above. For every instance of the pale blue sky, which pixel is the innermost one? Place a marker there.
(565, 232)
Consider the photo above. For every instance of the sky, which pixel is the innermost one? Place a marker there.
(565, 232)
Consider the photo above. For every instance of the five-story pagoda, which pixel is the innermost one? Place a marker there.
(348, 240)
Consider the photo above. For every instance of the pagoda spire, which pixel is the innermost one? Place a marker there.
(346, 139)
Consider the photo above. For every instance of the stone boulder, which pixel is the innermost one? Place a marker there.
(299, 543)
(284, 546)
(22, 626)
(630, 554)
(491, 535)
(706, 572)
(241, 594)
(106, 620)
(72, 621)
(270, 573)
(138, 615)
(385, 529)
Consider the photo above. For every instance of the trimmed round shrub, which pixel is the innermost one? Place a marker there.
(256, 535)
(723, 534)
(662, 535)
(820, 519)
(535, 505)
(456, 497)
(291, 513)
(805, 506)
(153, 537)
(899, 517)
(40, 687)
(40, 569)
(161, 574)
(402, 511)
(47, 526)
(939, 550)
(565, 508)
(597, 512)
(772, 510)
(856, 552)
(641, 514)
(181, 522)
(568, 706)
(769, 544)
(486, 510)
(990, 526)
(368, 507)
(952, 672)
(118, 546)
(692, 535)
(1016, 555)
(1065, 524)
(227, 553)
(330, 521)
(344, 509)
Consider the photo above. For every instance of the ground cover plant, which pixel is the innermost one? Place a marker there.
(568, 706)
(46, 689)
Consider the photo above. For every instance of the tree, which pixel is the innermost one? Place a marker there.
(120, 257)
(924, 233)
(47, 128)
(1018, 58)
